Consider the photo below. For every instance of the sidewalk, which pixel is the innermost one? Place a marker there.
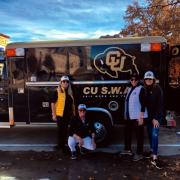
(169, 141)
(44, 139)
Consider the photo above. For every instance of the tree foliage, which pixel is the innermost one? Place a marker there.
(156, 17)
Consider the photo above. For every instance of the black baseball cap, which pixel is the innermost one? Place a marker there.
(134, 75)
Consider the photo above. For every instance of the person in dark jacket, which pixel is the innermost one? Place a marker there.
(155, 113)
(134, 114)
(62, 106)
(81, 132)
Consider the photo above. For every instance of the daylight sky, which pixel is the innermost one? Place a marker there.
(29, 20)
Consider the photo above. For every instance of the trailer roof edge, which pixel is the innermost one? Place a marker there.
(87, 42)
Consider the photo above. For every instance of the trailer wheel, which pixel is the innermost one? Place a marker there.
(102, 128)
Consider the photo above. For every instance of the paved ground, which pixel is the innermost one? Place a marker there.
(44, 138)
(30, 165)
(27, 154)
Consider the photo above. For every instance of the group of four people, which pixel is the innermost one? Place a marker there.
(143, 106)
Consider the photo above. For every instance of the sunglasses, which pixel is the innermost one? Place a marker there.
(65, 81)
(148, 79)
(82, 110)
(133, 79)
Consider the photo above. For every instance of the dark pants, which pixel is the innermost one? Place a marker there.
(62, 124)
(130, 126)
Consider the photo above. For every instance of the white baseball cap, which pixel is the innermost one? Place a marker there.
(149, 75)
(82, 106)
(64, 78)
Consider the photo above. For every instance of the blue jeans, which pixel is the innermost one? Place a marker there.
(153, 134)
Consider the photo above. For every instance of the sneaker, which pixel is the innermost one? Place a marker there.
(148, 154)
(126, 152)
(156, 163)
(137, 157)
(73, 155)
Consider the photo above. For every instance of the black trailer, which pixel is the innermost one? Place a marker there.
(99, 70)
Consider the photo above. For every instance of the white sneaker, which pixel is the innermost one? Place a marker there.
(156, 163)
(126, 152)
(137, 157)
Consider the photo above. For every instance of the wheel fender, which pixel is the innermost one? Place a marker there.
(103, 111)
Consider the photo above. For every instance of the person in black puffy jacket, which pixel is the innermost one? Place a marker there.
(155, 112)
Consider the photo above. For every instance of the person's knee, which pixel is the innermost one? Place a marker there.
(155, 132)
(71, 142)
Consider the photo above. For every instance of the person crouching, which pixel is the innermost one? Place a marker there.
(81, 132)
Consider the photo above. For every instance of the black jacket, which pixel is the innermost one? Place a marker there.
(81, 129)
(154, 102)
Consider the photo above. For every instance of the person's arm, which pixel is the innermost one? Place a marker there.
(92, 129)
(53, 110)
(79, 139)
(159, 107)
(73, 107)
(93, 140)
(158, 104)
(93, 134)
(53, 106)
(142, 99)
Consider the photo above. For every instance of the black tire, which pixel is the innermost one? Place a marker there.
(103, 127)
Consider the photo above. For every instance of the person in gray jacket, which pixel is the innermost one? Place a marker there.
(135, 113)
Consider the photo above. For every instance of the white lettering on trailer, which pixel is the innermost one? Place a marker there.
(106, 90)
(90, 90)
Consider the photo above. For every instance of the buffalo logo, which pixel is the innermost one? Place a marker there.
(114, 60)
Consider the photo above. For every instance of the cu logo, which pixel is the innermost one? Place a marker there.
(114, 60)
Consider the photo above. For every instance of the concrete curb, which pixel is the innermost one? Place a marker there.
(164, 149)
